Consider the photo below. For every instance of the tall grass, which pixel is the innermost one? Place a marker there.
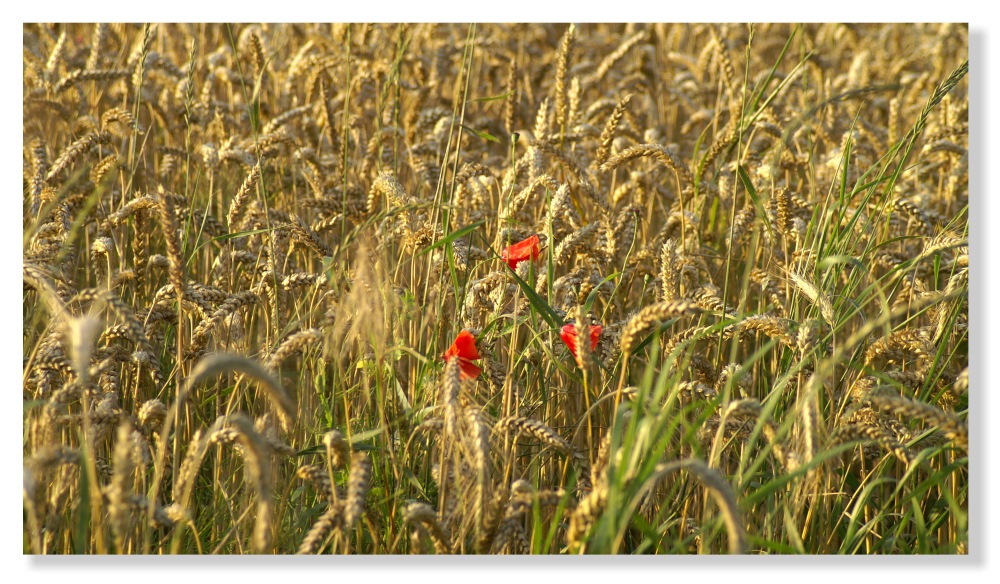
(250, 252)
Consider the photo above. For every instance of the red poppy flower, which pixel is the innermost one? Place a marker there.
(568, 334)
(517, 253)
(464, 348)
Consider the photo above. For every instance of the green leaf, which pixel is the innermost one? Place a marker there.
(255, 104)
(481, 134)
(451, 237)
(836, 260)
(593, 293)
(82, 523)
(774, 484)
(228, 236)
(356, 440)
(770, 545)
(536, 301)
(315, 449)
(414, 482)
(367, 435)
(748, 185)
(365, 447)
(503, 95)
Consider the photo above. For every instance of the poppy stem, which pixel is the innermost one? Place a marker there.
(590, 423)
(621, 381)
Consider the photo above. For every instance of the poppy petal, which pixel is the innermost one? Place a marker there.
(595, 334)
(521, 251)
(465, 349)
(568, 334)
(469, 369)
(465, 345)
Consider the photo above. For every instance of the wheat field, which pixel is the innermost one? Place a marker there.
(495, 289)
